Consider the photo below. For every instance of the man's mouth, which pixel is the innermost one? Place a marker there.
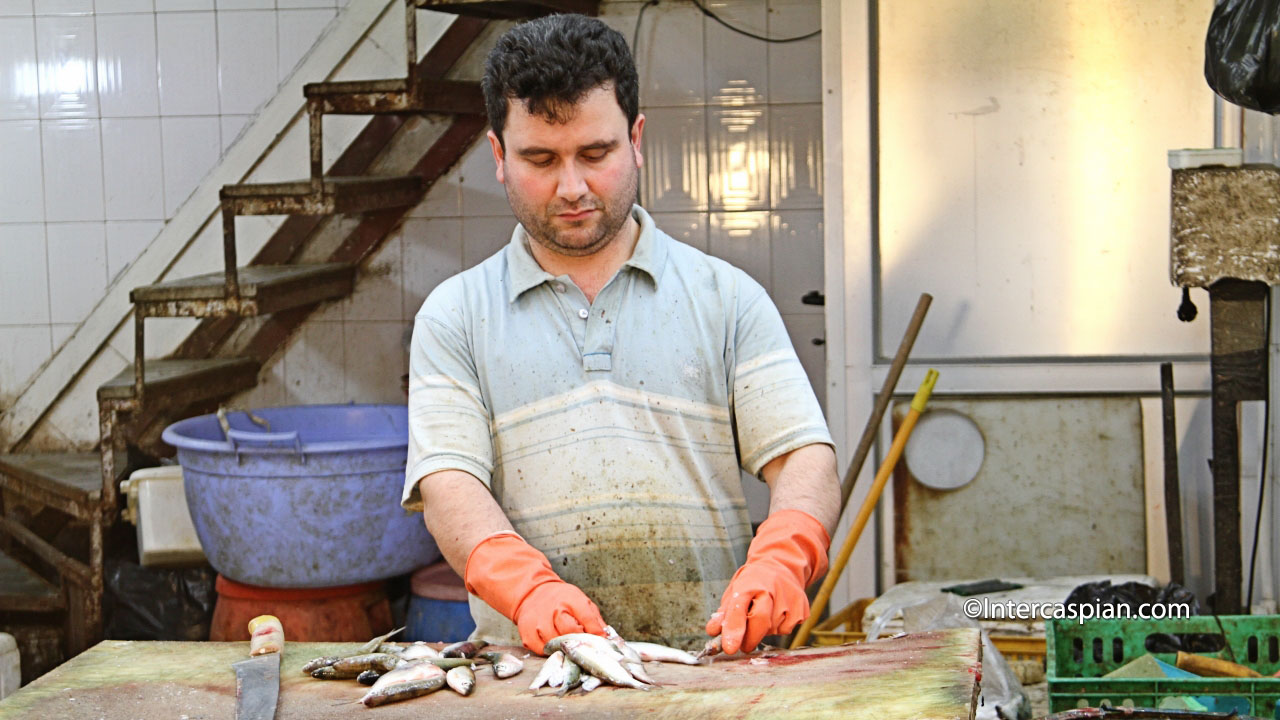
(575, 215)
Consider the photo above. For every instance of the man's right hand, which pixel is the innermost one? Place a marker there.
(517, 581)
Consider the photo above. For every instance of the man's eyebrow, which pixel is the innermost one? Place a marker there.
(598, 145)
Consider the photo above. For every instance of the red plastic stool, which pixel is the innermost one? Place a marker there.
(350, 613)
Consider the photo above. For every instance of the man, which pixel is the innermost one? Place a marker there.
(582, 400)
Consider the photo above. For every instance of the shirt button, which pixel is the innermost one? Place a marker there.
(559, 287)
(583, 313)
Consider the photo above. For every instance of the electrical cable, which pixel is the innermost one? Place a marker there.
(1262, 479)
(749, 34)
(635, 34)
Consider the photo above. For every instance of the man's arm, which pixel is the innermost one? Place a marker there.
(805, 479)
(497, 565)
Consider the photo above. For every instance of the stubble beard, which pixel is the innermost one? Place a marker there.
(614, 212)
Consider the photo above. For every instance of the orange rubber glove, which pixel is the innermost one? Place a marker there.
(766, 595)
(516, 580)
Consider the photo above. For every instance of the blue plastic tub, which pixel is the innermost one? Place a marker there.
(314, 502)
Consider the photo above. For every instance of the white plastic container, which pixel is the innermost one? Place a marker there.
(157, 505)
(10, 665)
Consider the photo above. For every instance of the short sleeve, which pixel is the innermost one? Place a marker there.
(449, 426)
(775, 409)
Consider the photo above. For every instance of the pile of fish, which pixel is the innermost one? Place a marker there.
(399, 672)
(577, 661)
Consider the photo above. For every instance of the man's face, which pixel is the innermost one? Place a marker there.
(571, 184)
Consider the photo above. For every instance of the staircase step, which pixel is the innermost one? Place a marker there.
(371, 97)
(73, 478)
(264, 289)
(22, 590)
(336, 196)
(183, 382)
(509, 9)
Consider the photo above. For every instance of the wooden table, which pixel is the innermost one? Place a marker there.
(924, 676)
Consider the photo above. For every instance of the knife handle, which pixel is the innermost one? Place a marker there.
(266, 635)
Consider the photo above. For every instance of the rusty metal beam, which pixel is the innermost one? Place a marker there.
(67, 566)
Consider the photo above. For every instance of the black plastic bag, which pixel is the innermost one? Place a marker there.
(158, 604)
(1242, 53)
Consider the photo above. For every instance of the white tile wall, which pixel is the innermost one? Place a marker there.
(111, 111)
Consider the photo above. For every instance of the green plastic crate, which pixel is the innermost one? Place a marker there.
(1079, 655)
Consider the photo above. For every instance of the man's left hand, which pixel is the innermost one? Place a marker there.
(766, 596)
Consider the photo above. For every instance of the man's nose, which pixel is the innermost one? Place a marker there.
(572, 184)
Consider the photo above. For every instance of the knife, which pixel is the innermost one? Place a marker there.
(258, 678)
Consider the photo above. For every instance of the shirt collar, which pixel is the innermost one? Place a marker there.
(524, 272)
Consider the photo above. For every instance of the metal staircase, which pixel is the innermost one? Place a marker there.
(43, 493)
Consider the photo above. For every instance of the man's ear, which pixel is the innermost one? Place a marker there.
(637, 132)
(496, 145)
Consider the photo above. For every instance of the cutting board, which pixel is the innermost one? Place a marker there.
(925, 676)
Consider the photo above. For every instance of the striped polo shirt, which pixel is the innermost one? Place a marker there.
(611, 433)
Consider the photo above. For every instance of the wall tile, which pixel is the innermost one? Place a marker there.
(484, 236)
(188, 54)
(183, 5)
(61, 332)
(126, 241)
(24, 275)
(383, 360)
(795, 68)
(16, 8)
(796, 248)
(26, 349)
(795, 156)
(738, 158)
(432, 254)
(247, 54)
(675, 159)
(132, 168)
(294, 4)
(245, 5)
(737, 66)
(22, 176)
(191, 149)
(689, 228)
(742, 239)
(232, 126)
(107, 7)
(128, 82)
(72, 151)
(314, 365)
(77, 269)
(670, 55)
(68, 86)
(64, 7)
(378, 294)
(444, 199)
(803, 329)
(19, 80)
(482, 194)
(298, 31)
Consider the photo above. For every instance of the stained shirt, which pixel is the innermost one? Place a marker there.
(611, 432)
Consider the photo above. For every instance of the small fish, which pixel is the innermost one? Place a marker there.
(417, 651)
(590, 682)
(652, 652)
(401, 691)
(356, 664)
(326, 672)
(553, 664)
(504, 664)
(638, 672)
(445, 663)
(373, 644)
(408, 673)
(461, 679)
(711, 648)
(621, 645)
(368, 677)
(600, 664)
(464, 649)
(320, 662)
(601, 644)
(572, 678)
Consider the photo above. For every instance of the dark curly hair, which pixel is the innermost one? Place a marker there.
(552, 62)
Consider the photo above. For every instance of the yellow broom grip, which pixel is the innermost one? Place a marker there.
(868, 505)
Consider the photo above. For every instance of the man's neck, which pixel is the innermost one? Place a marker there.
(591, 272)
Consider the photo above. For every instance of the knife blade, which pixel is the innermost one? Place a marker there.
(258, 678)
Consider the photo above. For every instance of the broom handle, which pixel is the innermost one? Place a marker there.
(868, 505)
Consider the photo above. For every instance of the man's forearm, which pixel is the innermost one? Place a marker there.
(805, 479)
(459, 512)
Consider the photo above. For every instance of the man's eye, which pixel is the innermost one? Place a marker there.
(539, 161)
(595, 156)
